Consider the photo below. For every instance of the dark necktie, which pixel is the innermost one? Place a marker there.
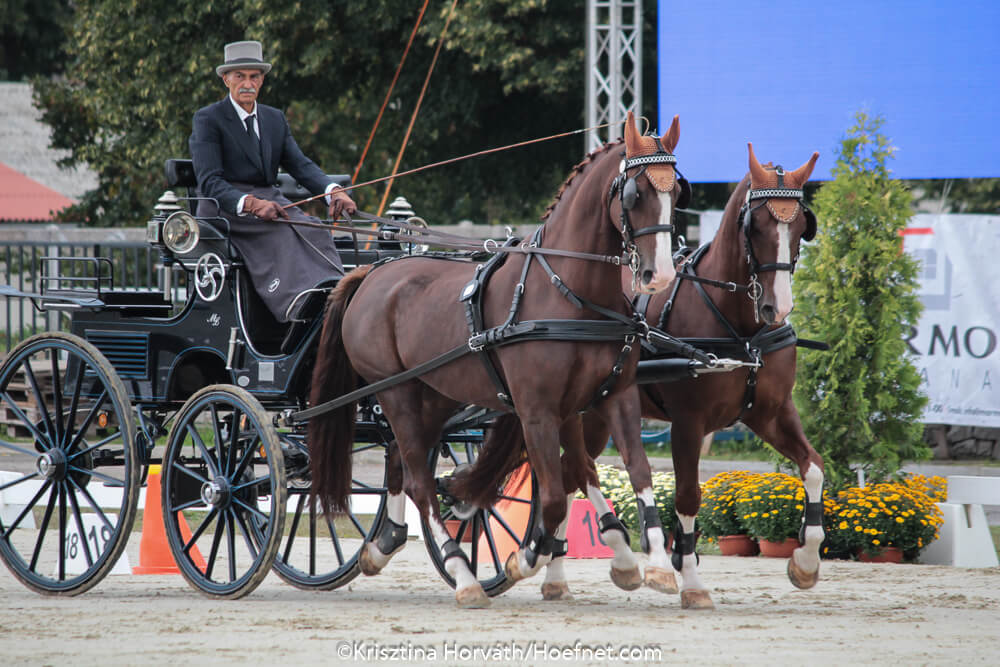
(254, 137)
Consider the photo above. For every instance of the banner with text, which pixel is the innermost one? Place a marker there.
(955, 344)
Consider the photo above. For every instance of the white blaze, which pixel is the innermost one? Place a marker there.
(663, 266)
(783, 279)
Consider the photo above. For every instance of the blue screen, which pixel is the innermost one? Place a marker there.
(790, 76)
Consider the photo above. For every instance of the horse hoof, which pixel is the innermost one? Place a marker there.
(512, 568)
(558, 590)
(627, 580)
(472, 597)
(799, 577)
(696, 600)
(368, 566)
(661, 580)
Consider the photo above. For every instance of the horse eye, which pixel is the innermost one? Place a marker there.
(630, 193)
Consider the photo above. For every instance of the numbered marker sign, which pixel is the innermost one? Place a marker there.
(584, 532)
(97, 535)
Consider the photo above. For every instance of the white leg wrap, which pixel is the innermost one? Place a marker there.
(554, 571)
(456, 567)
(657, 543)
(396, 511)
(807, 557)
(624, 557)
(689, 568)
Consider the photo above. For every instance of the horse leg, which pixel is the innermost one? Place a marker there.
(784, 433)
(622, 414)
(391, 537)
(685, 445)
(417, 425)
(555, 587)
(541, 437)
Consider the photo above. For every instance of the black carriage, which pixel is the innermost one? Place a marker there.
(197, 378)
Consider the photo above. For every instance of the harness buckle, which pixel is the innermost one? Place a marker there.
(486, 245)
(477, 342)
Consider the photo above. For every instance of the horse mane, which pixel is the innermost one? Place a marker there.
(576, 170)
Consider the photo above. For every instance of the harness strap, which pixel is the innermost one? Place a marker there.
(474, 317)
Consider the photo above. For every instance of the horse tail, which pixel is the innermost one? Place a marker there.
(331, 434)
(503, 452)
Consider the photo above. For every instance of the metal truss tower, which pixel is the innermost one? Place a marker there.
(614, 66)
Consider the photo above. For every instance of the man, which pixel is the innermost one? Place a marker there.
(237, 146)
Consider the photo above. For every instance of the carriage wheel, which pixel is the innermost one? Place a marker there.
(223, 491)
(70, 480)
(319, 552)
(485, 535)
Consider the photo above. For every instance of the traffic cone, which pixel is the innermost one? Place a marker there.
(515, 515)
(154, 552)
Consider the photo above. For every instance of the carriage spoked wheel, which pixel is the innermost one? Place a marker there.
(489, 535)
(223, 485)
(321, 552)
(70, 471)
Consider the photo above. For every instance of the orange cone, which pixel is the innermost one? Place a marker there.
(515, 514)
(154, 552)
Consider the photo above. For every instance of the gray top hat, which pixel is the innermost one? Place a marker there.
(243, 55)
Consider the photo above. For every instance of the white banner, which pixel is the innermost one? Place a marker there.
(956, 345)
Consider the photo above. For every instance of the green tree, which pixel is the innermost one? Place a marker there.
(510, 70)
(32, 37)
(860, 401)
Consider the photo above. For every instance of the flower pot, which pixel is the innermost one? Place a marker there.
(886, 555)
(782, 549)
(738, 545)
(453, 525)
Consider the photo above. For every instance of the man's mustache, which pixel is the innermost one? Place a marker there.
(248, 90)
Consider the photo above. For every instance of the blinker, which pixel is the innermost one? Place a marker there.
(629, 194)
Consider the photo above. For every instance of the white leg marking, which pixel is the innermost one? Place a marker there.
(396, 510)
(689, 567)
(456, 567)
(783, 301)
(554, 571)
(807, 557)
(624, 557)
(395, 506)
(657, 544)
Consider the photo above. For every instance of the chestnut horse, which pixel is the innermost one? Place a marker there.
(395, 317)
(756, 246)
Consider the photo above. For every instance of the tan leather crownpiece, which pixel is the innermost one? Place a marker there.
(662, 176)
(765, 176)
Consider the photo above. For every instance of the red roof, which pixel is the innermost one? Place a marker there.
(24, 199)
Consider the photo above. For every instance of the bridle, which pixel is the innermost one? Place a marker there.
(626, 189)
(764, 195)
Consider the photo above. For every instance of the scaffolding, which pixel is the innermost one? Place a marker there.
(614, 66)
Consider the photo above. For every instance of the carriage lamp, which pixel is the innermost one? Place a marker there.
(102, 420)
(180, 232)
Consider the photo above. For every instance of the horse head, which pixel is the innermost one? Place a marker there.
(774, 220)
(646, 205)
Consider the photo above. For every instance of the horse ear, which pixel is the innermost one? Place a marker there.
(800, 176)
(757, 172)
(632, 143)
(672, 136)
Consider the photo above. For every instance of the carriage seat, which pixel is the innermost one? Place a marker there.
(268, 335)
(180, 174)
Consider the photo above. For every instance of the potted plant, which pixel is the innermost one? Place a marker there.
(718, 517)
(770, 507)
(885, 521)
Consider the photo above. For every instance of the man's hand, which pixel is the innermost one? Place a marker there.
(341, 203)
(263, 208)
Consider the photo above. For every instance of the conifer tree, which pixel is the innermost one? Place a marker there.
(860, 401)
